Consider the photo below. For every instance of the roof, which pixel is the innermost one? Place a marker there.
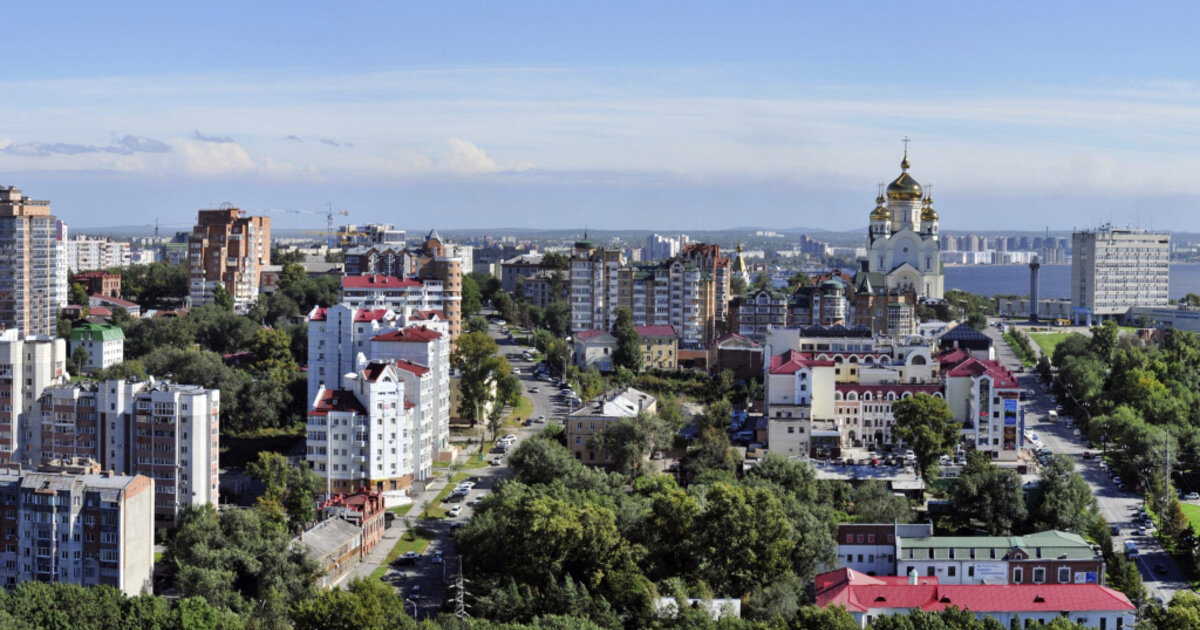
(962, 332)
(376, 281)
(374, 370)
(737, 339)
(915, 388)
(412, 334)
(656, 331)
(973, 367)
(1051, 543)
(623, 403)
(318, 315)
(791, 361)
(370, 315)
(336, 400)
(861, 593)
(429, 315)
(837, 330)
(114, 300)
(328, 536)
(409, 366)
(584, 335)
(100, 311)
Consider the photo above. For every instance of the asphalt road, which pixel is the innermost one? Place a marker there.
(436, 579)
(1117, 507)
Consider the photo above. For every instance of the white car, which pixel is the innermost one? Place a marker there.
(1192, 496)
(466, 484)
(455, 511)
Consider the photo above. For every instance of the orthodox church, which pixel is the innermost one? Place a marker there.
(903, 247)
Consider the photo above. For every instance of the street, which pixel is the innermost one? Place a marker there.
(1117, 507)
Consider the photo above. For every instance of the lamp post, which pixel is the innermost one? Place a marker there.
(414, 605)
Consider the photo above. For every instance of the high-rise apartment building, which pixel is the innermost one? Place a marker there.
(28, 365)
(165, 431)
(90, 529)
(30, 283)
(432, 263)
(401, 295)
(87, 254)
(1113, 270)
(61, 266)
(228, 249)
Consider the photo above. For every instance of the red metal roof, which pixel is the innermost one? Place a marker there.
(409, 366)
(375, 281)
(791, 361)
(337, 400)
(430, 314)
(319, 314)
(373, 371)
(370, 315)
(99, 311)
(972, 367)
(584, 335)
(419, 334)
(656, 331)
(860, 593)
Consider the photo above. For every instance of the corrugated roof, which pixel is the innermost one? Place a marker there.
(791, 361)
(412, 334)
(376, 281)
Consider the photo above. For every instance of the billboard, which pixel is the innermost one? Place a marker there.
(1010, 412)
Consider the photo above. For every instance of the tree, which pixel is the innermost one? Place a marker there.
(978, 321)
(273, 358)
(474, 357)
(79, 358)
(737, 286)
(476, 324)
(630, 441)
(363, 605)
(927, 426)
(472, 298)
(797, 280)
(629, 343)
(984, 492)
(79, 295)
(761, 281)
(290, 487)
(292, 275)
(743, 536)
(223, 298)
(555, 261)
(1104, 339)
(1067, 501)
(557, 317)
(875, 503)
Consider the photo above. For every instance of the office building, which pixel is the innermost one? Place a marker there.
(89, 529)
(229, 249)
(30, 281)
(1114, 270)
(162, 430)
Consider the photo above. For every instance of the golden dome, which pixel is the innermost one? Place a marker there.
(880, 213)
(927, 211)
(904, 188)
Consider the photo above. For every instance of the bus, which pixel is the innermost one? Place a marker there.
(1131, 550)
(1062, 321)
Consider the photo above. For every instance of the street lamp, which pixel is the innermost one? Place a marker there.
(414, 605)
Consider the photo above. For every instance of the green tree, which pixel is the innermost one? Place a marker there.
(223, 298)
(1104, 339)
(557, 317)
(986, 493)
(761, 281)
(79, 295)
(293, 274)
(874, 502)
(737, 286)
(290, 487)
(79, 358)
(476, 324)
(630, 441)
(743, 536)
(472, 298)
(1067, 501)
(363, 605)
(480, 369)
(629, 343)
(797, 280)
(121, 371)
(927, 426)
(978, 321)
(555, 261)
(273, 358)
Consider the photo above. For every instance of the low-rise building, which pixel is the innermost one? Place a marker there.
(737, 353)
(100, 283)
(517, 267)
(104, 344)
(595, 348)
(871, 547)
(867, 598)
(595, 414)
(113, 303)
(351, 526)
(1049, 557)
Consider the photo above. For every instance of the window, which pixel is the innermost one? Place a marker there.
(930, 571)
(971, 571)
(1064, 575)
(1039, 575)
(1018, 575)
(950, 570)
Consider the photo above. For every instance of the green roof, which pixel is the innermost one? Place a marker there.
(1052, 543)
(97, 332)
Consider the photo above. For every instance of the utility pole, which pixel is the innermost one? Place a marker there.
(460, 593)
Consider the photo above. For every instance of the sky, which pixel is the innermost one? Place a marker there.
(667, 116)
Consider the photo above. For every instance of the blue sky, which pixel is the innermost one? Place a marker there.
(656, 115)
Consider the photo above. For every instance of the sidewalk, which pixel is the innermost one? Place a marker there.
(378, 555)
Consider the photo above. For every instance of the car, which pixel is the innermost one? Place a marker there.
(455, 511)
(840, 461)
(535, 390)
(1076, 432)
(657, 455)
(1116, 531)
(466, 484)
(1160, 568)
(407, 557)
(1192, 496)
(437, 557)
(1058, 408)
(1087, 455)
(497, 461)
(540, 419)
(1116, 481)
(850, 461)
(1035, 437)
(509, 437)
(414, 592)
(874, 461)
(477, 500)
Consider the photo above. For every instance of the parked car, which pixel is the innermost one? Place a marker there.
(455, 511)
(437, 557)
(1087, 455)
(1116, 531)
(414, 592)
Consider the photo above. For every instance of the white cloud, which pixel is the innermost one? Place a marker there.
(208, 159)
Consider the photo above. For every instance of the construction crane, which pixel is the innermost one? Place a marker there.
(330, 232)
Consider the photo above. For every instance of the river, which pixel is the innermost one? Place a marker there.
(1055, 279)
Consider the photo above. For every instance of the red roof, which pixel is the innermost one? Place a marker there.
(882, 390)
(99, 311)
(370, 315)
(373, 371)
(419, 334)
(861, 593)
(973, 367)
(376, 281)
(584, 335)
(409, 366)
(728, 336)
(656, 331)
(791, 361)
(114, 300)
(953, 358)
(319, 314)
(430, 314)
(337, 400)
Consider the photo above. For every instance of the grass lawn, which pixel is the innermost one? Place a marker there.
(401, 510)
(435, 509)
(441, 464)
(158, 556)
(1192, 512)
(1048, 341)
(523, 410)
(404, 545)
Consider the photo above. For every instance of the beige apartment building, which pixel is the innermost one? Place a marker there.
(229, 249)
(30, 291)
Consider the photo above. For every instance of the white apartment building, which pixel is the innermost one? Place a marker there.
(402, 295)
(86, 253)
(1114, 270)
(162, 430)
(28, 365)
(61, 263)
(361, 434)
(90, 530)
(104, 343)
(422, 354)
(800, 408)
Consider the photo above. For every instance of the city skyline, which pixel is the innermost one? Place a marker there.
(777, 116)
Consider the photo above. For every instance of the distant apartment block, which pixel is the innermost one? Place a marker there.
(164, 431)
(432, 264)
(30, 281)
(90, 529)
(28, 365)
(86, 253)
(227, 248)
(1114, 270)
